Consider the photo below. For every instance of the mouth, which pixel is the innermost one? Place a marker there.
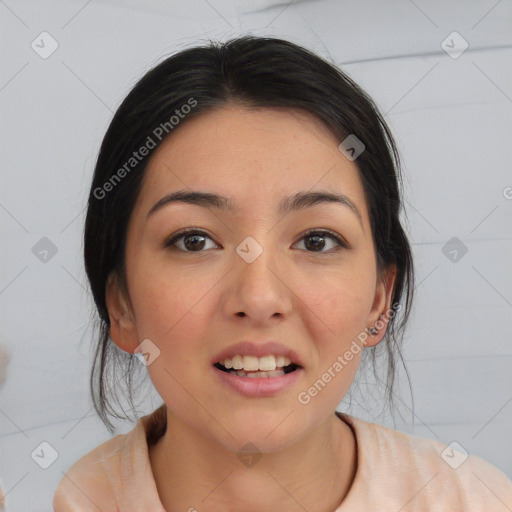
(258, 369)
(258, 377)
(253, 367)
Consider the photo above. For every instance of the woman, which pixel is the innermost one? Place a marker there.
(243, 242)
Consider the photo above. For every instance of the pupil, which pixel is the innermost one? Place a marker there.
(189, 246)
(317, 238)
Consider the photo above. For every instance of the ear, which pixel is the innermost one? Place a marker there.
(379, 317)
(122, 324)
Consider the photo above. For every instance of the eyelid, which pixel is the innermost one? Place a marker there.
(341, 241)
(186, 231)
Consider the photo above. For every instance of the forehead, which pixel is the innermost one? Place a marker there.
(255, 156)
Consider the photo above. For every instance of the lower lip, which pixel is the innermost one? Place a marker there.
(258, 386)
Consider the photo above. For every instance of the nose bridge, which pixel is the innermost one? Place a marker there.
(257, 260)
(259, 290)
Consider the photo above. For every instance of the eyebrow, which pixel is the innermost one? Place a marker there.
(298, 201)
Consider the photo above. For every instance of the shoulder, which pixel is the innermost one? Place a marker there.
(86, 485)
(428, 472)
(116, 475)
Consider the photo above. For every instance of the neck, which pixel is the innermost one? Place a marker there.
(192, 471)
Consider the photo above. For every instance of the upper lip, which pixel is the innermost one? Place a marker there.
(257, 349)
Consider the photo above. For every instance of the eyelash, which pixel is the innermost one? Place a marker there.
(325, 233)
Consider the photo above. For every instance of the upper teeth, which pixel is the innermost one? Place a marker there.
(253, 363)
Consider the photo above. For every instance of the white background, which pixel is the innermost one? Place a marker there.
(452, 121)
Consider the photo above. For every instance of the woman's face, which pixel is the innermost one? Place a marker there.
(250, 275)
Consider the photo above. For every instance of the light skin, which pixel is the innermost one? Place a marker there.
(188, 300)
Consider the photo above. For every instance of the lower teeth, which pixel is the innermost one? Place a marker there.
(258, 374)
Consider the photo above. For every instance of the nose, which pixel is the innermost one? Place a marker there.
(259, 290)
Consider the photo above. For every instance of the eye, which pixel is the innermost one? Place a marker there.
(318, 238)
(188, 239)
(193, 240)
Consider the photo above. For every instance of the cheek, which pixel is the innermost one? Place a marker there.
(171, 310)
(337, 305)
(169, 304)
(335, 313)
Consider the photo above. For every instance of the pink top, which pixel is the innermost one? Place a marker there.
(395, 472)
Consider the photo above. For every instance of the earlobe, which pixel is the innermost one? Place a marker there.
(379, 316)
(122, 326)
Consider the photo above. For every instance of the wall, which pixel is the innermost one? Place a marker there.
(450, 113)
